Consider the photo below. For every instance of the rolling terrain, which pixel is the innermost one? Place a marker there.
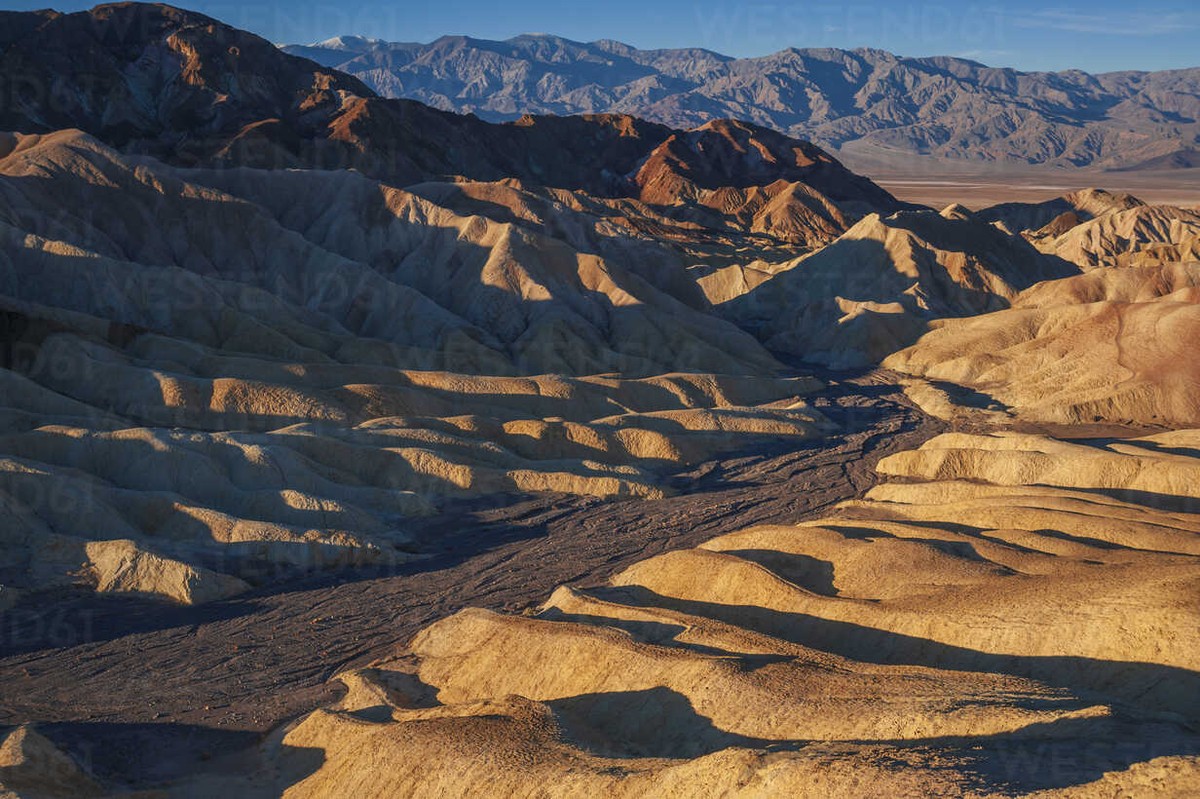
(350, 445)
(221, 371)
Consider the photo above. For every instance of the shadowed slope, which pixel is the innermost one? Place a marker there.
(876, 288)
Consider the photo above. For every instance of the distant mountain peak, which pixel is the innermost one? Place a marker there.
(348, 43)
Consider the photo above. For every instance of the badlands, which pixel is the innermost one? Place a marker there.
(350, 447)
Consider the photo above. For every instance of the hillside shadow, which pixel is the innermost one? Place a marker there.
(1152, 447)
(1054, 755)
(812, 574)
(1146, 686)
(1171, 503)
(970, 397)
(153, 753)
(651, 632)
(661, 723)
(152, 756)
(1063, 754)
(656, 722)
(50, 620)
(806, 306)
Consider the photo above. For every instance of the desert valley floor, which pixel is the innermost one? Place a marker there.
(352, 447)
(978, 189)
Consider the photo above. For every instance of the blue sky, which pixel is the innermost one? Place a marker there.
(1096, 36)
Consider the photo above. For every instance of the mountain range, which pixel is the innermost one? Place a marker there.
(868, 105)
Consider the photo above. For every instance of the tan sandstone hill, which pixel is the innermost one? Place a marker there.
(1115, 344)
(1059, 213)
(1093, 228)
(1008, 601)
(876, 288)
(1143, 235)
(31, 766)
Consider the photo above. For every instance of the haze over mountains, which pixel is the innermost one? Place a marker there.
(869, 105)
(310, 397)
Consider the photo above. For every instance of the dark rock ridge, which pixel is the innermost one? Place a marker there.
(192, 91)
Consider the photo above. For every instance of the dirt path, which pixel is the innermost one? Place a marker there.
(133, 688)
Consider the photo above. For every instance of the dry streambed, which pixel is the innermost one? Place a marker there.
(226, 671)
